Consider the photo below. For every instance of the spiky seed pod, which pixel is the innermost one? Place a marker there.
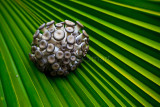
(59, 48)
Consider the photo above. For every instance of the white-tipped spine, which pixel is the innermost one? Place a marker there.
(76, 29)
(81, 36)
(52, 26)
(44, 29)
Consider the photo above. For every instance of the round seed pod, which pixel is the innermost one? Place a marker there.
(83, 46)
(59, 55)
(79, 24)
(35, 41)
(69, 23)
(36, 34)
(42, 26)
(50, 47)
(32, 58)
(63, 47)
(85, 33)
(67, 54)
(58, 48)
(59, 25)
(78, 41)
(50, 23)
(51, 30)
(51, 59)
(73, 58)
(69, 46)
(69, 29)
(73, 67)
(46, 36)
(43, 44)
(33, 49)
(66, 61)
(38, 54)
(58, 35)
(70, 39)
(55, 66)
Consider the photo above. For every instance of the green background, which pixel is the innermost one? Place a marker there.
(122, 67)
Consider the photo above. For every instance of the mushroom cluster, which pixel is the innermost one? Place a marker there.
(59, 48)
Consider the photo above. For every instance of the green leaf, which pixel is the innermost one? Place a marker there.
(121, 68)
